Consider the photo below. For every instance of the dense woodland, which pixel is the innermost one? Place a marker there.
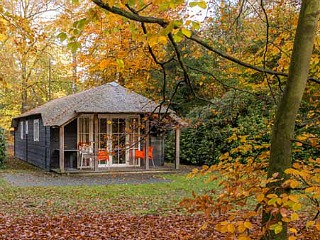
(228, 68)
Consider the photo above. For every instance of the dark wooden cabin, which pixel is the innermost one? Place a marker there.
(107, 118)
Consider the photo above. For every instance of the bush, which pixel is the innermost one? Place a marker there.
(237, 121)
(2, 147)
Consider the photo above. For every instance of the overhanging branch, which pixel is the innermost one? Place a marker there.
(164, 23)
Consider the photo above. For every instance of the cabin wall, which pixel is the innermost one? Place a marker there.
(29, 149)
(54, 142)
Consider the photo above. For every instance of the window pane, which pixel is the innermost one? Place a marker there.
(102, 125)
(36, 130)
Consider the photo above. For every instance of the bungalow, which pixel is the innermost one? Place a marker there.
(106, 126)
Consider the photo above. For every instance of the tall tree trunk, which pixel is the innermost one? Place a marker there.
(24, 87)
(283, 131)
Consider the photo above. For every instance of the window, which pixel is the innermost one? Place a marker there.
(27, 127)
(21, 130)
(36, 130)
(85, 129)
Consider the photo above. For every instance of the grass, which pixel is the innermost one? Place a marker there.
(157, 198)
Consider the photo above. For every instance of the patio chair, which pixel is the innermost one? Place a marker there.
(103, 156)
(86, 156)
(140, 154)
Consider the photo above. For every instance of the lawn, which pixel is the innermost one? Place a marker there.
(123, 211)
(160, 198)
(108, 210)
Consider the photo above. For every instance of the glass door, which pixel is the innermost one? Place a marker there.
(133, 140)
(118, 136)
(104, 143)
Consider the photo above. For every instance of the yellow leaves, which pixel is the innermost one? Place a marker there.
(186, 32)
(224, 156)
(231, 228)
(233, 137)
(294, 198)
(243, 237)
(292, 183)
(296, 206)
(243, 139)
(260, 197)
(310, 224)
(155, 39)
(237, 228)
(292, 238)
(277, 228)
(226, 227)
(272, 195)
(294, 216)
(247, 224)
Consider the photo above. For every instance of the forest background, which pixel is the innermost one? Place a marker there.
(223, 65)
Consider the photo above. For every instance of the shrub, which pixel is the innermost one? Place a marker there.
(2, 147)
(231, 125)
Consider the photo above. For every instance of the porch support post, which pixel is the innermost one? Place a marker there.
(61, 148)
(96, 141)
(177, 162)
(146, 155)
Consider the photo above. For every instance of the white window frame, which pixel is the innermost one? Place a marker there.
(27, 127)
(90, 116)
(36, 130)
(21, 130)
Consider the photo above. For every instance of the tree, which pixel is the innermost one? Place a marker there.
(34, 65)
(283, 130)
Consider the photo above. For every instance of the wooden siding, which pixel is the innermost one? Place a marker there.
(20, 144)
(34, 152)
(54, 153)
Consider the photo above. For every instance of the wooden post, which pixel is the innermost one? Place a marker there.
(146, 155)
(61, 148)
(177, 162)
(96, 141)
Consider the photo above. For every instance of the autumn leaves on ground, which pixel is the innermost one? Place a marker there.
(124, 211)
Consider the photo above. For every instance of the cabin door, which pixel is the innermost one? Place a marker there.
(118, 135)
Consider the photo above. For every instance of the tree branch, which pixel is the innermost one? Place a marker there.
(130, 15)
(164, 23)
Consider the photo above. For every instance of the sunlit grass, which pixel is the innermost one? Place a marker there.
(155, 198)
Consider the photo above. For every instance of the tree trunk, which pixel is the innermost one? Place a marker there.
(283, 130)
(24, 87)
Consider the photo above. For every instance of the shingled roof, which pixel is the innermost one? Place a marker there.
(107, 98)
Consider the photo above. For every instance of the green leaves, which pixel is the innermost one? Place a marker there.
(74, 46)
(62, 36)
(201, 4)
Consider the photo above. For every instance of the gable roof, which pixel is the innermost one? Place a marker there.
(107, 98)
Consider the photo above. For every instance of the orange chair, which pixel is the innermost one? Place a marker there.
(140, 154)
(103, 156)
